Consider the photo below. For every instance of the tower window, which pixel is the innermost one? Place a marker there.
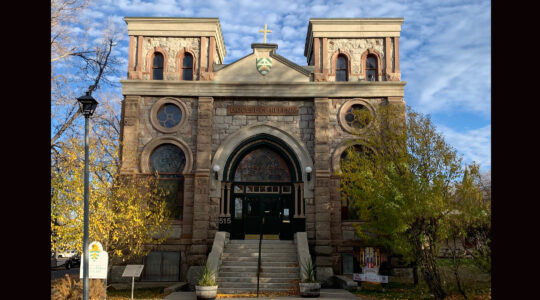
(187, 67)
(371, 68)
(341, 68)
(157, 66)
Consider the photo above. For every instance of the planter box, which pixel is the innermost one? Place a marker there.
(206, 292)
(310, 289)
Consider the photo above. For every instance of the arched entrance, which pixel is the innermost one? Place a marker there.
(264, 185)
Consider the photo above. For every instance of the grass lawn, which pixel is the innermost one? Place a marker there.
(146, 293)
(477, 286)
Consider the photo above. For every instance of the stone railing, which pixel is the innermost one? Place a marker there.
(214, 258)
(302, 250)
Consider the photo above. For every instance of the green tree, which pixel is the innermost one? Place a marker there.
(404, 190)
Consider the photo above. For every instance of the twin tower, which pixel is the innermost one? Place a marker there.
(259, 137)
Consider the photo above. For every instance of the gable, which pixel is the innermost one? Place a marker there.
(245, 70)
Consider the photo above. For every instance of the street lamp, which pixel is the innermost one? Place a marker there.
(87, 107)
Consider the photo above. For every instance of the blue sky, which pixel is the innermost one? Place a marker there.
(445, 49)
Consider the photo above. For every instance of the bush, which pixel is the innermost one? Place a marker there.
(70, 288)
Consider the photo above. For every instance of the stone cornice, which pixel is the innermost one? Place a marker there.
(351, 28)
(262, 89)
(178, 27)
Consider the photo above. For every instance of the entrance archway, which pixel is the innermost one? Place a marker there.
(263, 189)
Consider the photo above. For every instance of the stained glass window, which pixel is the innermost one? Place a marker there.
(341, 68)
(157, 66)
(169, 161)
(168, 158)
(262, 165)
(169, 115)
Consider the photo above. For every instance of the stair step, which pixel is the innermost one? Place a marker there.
(253, 285)
(264, 269)
(254, 262)
(263, 259)
(279, 267)
(284, 242)
(227, 280)
(232, 276)
(256, 249)
(256, 254)
(253, 291)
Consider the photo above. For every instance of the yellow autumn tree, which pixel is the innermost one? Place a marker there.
(125, 212)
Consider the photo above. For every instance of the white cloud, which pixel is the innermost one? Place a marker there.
(474, 144)
(444, 45)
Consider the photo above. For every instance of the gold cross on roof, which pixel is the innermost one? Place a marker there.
(265, 31)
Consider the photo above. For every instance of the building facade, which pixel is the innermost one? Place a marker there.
(261, 136)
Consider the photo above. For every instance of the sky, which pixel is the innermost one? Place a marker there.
(445, 49)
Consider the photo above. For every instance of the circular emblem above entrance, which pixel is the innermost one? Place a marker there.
(264, 65)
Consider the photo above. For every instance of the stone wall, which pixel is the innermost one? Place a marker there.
(355, 47)
(301, 126)
(338, 134)
(171, 45)
(188, 132)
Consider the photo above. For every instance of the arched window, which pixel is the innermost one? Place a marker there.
(349, 163)
(169, 162)
(371, 68)
(341, 68)
(187, 67)
(157, 66)
(262, 165)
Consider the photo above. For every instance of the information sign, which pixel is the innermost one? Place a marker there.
(133, 271)
(98, 262)
(370, 277)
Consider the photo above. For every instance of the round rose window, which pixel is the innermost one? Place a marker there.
(169, 115)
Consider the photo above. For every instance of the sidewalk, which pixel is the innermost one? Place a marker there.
(328, 294)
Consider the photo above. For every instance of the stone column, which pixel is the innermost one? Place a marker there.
(335, 215)
(323, 248)
(137, 74)
(129, 135)
(131, 56)
(201, 200)
(187, 221)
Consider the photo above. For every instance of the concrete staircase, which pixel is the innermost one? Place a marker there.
(238, 271)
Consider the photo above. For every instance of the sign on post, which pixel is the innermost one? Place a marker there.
(132, 271)
(370, 275)
(98, 262)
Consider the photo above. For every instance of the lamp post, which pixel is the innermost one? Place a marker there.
(87, 107)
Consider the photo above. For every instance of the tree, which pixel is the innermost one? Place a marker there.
(125, 213)
(76, 64)
(404, 191)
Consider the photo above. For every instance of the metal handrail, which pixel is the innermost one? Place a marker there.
(259, 262)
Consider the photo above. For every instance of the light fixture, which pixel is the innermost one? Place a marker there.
(216, 170)
(87, 104)
(308, 172)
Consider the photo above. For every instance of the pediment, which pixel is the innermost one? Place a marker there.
(245, 70)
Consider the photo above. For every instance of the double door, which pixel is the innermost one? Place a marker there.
(263, 213)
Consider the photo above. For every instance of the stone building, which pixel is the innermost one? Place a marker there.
(259, 136)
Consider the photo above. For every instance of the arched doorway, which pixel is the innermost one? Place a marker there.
(264, 185)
